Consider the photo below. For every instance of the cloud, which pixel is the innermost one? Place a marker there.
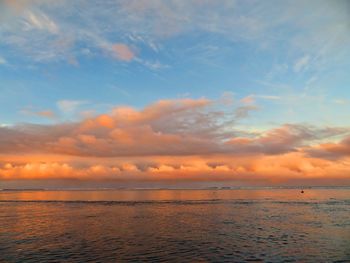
(177, 127)
(44, 113)
(34, 28)
(291, 168)
(153, 65)
(47, 113)
(284, 139)
(120, 90)
(123, 52)
(40, 21)
(251, 99)
(331, 150)
(2, 61)
(302, 63)
(341, 101)
(243, 111)
(248, 99)
(17, 5)
(181, 139)
(69, 106)
(269, 97)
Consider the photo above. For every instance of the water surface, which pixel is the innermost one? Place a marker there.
(269, 225)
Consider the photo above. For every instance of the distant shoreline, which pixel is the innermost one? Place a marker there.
(173, 189)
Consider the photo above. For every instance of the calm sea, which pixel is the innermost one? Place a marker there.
(267, 225)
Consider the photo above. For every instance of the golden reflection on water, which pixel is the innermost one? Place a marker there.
(167, 195)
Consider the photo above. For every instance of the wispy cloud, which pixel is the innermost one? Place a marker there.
(70, 106)
(251, 99)
(49, 114)
(123, 52)
(151, 22)
(302, 63)
(269, 97)
(341, 101)
(2, 61)
(40, 21)
(153, 65)
(248, 99)
(120, 90)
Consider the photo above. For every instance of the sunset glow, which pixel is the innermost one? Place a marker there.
(107, 92)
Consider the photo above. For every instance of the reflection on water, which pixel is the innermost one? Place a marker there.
(175, 225)
(178, 195)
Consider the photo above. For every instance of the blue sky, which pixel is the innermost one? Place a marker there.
(292, 58)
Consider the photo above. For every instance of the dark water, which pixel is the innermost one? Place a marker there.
(175, 225)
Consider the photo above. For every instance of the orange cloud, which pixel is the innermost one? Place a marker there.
(162, 128)
(123, 52)
(167, 127)
(248, 99)
(283, 169)
(183, 139)
(45, 113)
(17, 5)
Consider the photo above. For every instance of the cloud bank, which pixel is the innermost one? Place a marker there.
(181, 139)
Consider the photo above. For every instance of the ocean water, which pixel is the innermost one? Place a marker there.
(261, 225)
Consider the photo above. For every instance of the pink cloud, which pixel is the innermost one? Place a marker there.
(123, 52)
(47, 114)
(248, 99)
(44, 113)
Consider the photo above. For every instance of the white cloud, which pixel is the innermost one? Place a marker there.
(70, 106)
(341, 101)
(120, 90)
(156, 65)
(40, 21)
(302, 63)
(2, 61)
(269, 97)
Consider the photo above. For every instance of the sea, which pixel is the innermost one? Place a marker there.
(175, 225)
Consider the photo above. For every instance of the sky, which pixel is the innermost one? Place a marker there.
(198, 91)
